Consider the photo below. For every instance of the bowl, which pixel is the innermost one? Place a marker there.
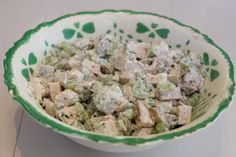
(125, 25)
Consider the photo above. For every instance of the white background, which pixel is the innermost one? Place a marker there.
(20, 136)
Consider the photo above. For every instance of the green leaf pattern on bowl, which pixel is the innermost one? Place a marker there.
(119, 32)
(88, 27)
(27, 71)
(213, 73)
(18, 57)
(161, 32)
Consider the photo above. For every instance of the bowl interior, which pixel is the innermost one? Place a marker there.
(125, 25)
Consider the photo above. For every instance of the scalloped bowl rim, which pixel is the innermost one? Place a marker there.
(100, 137)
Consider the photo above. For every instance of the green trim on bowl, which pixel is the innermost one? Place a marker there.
(8, 75)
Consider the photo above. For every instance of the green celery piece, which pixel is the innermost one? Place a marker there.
(62, 64)
(71, 85)
(161, 127)
(184, 64)
(140, 89)
(79, 107)
(129, 113)
(83, 114)
(88, 125)
(48, 60)
(68, 48)
(194, 99)
(167, 86)
(150, 101)
(121, 125)
(108, 79)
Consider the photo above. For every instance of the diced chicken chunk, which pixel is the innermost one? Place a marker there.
(46, 71)
(176, 54)
(105, 46)
(108, 99)
(143, 132)
(119, 60)
(128, 93)
(158, 114)
(160, 49)
(171, 120)
(75, 74)
(174, 94)
(83, 89)
(68, 114)
(54, 88)
(96, 86)
(124, 77)
(69, 76)
(144, 117)
(175, 74)
(169, 91)
(165, 105)
(128, 113)
(49, 107)
(88, 76)
(141, 50)
(157, 79)
(38, 88)
(163, 64)
(147, 60)
(80, 56)
(184, 113)
(133, 67)
(105, 125)
(124, 105)
(91, 66)
(159, 65)
(66, 98)
(192, 82)
(84, 44)
(61, 77)
(74, 63)
(131, 56)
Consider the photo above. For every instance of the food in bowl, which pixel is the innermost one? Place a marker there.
(118, 88)
(27, 52)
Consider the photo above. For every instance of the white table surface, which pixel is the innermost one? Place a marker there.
(20, 136)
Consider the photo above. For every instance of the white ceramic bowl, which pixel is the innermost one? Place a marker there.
(125, 25)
